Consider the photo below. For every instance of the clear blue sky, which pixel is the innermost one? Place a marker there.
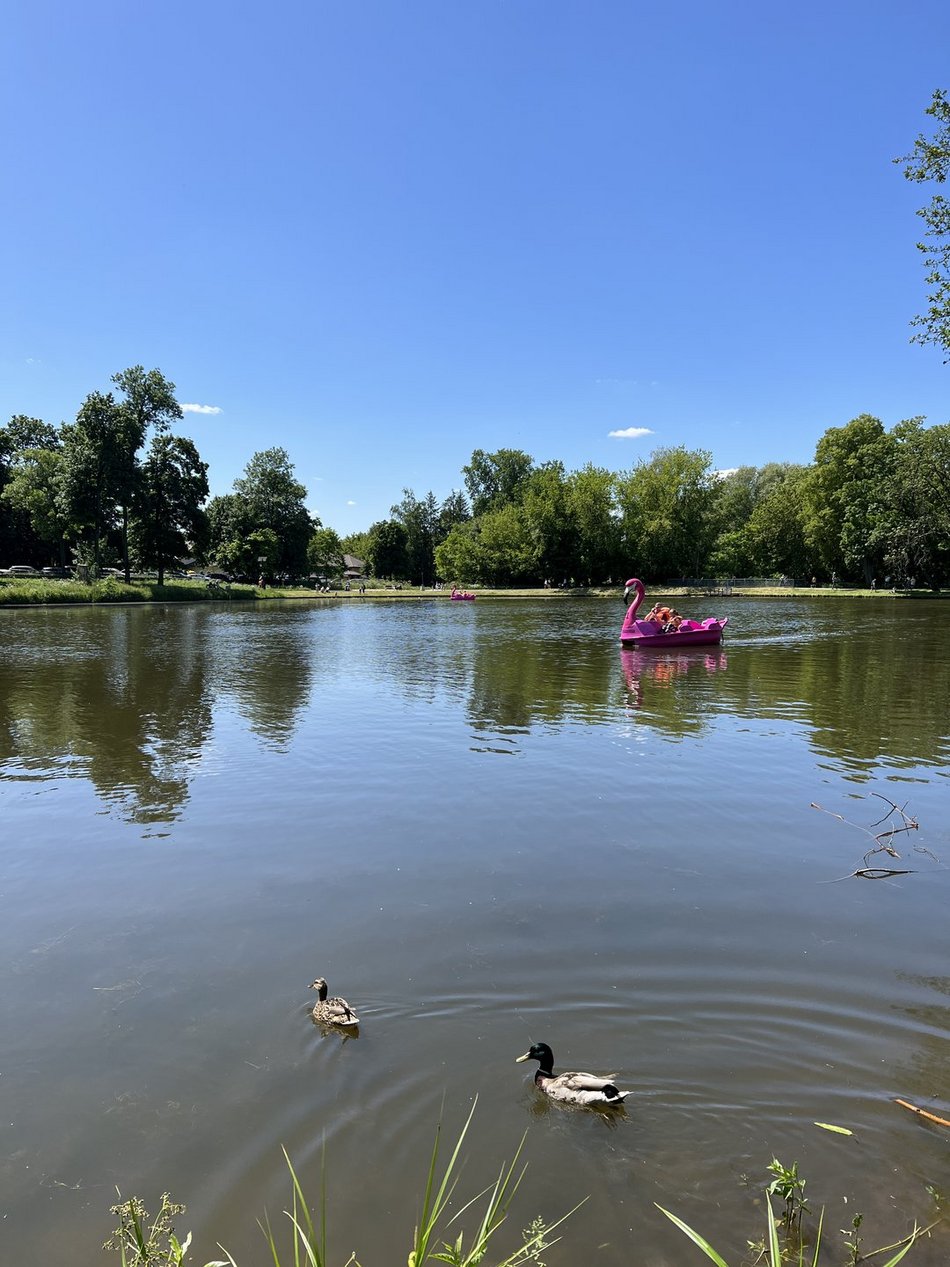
(383, 234)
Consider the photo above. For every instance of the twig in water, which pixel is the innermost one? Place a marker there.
(931, 1117)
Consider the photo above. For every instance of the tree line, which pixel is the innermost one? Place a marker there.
(118, 487)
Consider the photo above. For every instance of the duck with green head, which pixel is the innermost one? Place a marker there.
(586, 1089)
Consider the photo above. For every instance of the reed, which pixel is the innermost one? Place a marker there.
(143, 1242)
(792, 1248)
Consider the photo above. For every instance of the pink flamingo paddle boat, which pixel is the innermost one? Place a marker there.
(678, 632)
(462, 596)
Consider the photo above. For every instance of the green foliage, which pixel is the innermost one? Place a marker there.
(169, 519)
(777, 1256)
(325, 553)
(274, 501)
(930, 161)
(141, 1244)
(665, 505)
(496, 479)
(387, 554)
(34, 490)
(788, 1185)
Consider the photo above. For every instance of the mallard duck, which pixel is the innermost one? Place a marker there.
(571, 1088)
(335, 1011)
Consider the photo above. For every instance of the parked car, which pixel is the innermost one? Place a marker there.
(57, 574)
(22, 569)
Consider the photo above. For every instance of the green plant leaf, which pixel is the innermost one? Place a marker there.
(838, 1130)
(695, 1237)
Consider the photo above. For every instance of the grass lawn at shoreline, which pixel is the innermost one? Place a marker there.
(35, 591)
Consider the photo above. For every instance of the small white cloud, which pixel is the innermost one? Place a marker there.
(631, 433)
(724, 473)
(351, 503)
(33, 360)
(201, 409)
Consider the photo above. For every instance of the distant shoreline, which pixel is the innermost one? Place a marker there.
(33, 594)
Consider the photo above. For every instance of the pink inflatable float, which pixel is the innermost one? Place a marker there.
(664, 627)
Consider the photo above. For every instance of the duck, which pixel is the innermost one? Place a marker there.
(333, 1011)
(571, 1088)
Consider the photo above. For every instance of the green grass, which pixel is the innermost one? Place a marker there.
(145, 1242)
(33, 592)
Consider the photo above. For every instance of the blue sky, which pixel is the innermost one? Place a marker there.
(383, 234)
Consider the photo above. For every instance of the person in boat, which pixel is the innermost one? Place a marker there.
(674, 621)
(660, 615)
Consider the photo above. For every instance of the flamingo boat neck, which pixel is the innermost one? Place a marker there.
(664, 627)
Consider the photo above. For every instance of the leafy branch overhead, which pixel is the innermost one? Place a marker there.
(930, 161)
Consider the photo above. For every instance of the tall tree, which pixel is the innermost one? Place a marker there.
(420, 520)
(848, 507)
(275, 499)
(387, 550)
(149, 401)
(21, 435)
(34, 490)
(325, 552)
(930, 161)
(549, 519)
(496, 479)
(592, 493)
(665, 506)
(169, 519)
(920, 535)
(90, 474)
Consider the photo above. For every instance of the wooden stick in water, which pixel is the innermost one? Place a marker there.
(931, 1117)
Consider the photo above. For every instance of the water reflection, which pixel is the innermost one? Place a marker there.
(131, 699)
(661, 669)
(131, 712)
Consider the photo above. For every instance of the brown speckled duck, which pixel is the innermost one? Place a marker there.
(334, 1011)
(571, 1088)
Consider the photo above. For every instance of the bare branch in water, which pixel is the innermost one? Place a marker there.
(882, 839)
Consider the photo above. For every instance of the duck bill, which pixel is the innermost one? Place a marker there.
(526, 1056)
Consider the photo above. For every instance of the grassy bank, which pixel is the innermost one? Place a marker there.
(33, 592)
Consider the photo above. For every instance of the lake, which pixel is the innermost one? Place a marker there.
(486, 826)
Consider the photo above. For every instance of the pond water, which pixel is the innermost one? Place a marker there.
(486, 825)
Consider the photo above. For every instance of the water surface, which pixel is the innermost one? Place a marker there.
(486, 825)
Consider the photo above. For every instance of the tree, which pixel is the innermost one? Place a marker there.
(496, 479)
(920, 533)
(458, 557)
(387, 550)
(357, 544)
(325, 552)
(665, 507)
(34, 490)
(149, 401)
(18, 535)
(420, 520)
(274, 499)
(592, 499)
(252, 555)
(776, 528)
(90, 474)
(548, 518)
(454, 510)
(168, 516)
(848, 508)
(930, 160)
